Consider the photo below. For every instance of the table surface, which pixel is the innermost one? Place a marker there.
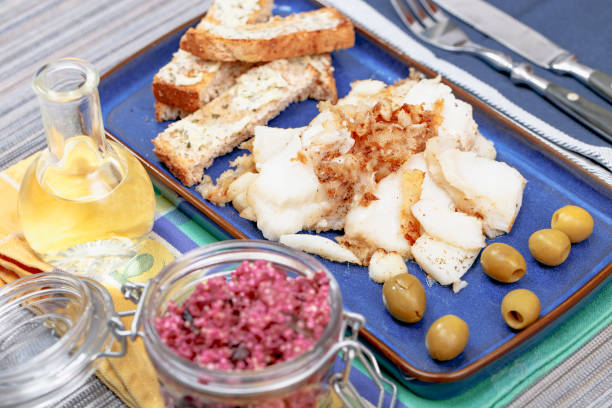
(107, 31)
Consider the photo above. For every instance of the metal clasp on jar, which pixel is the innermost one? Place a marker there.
(349, 347)
(134, 292)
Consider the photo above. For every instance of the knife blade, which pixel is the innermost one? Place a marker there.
(527, 42)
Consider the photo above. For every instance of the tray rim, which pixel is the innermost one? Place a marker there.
(379, 345)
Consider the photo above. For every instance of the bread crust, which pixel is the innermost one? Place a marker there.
(182, 97)
(165, 112)
(181, 166)
(190, 98)
(209, 46)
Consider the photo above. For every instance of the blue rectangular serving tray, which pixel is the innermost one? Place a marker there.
(127, 105)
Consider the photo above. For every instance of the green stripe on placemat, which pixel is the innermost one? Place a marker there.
(505, 385)
(198, 234)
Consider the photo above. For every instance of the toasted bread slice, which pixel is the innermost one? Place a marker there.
(187, 82)
(190, 145)
(239, 12)
(313, 32)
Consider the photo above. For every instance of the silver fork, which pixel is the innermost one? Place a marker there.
(429, 23)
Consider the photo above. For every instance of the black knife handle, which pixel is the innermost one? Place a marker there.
(602, 83)
(597, 80)
(592, 115)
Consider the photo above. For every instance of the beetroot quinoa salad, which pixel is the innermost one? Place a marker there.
(256, 319)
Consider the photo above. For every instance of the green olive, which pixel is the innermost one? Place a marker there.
(503, 263)
(520, 308)
(550, 246)
(447, 337)
(404, 297)
(576, 222)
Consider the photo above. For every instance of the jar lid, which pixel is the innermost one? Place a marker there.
(53, 328)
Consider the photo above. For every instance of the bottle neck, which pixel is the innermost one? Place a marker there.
(70, 105)
(79, 164)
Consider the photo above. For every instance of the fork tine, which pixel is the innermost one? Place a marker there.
(433, 10)
(407, 17)
(420, 13)
(442, 33)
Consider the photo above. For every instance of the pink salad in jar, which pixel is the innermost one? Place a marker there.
(257, 318)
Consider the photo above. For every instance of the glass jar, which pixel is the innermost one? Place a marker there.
(300, 382)
(55, 328)
(53, 331)
(85, 203)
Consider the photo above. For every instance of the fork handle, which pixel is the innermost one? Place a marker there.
(589, 113)
(497, 59)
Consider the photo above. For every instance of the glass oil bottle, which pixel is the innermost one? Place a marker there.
(85, 203)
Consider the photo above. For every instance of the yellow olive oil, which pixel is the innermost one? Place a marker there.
(87, 209)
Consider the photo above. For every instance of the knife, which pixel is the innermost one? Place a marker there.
(527, 42)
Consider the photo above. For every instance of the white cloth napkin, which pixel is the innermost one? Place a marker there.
(366, 17)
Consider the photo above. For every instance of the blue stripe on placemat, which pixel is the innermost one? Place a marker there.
(165, 228)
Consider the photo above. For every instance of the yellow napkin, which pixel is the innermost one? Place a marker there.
(131, 377)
